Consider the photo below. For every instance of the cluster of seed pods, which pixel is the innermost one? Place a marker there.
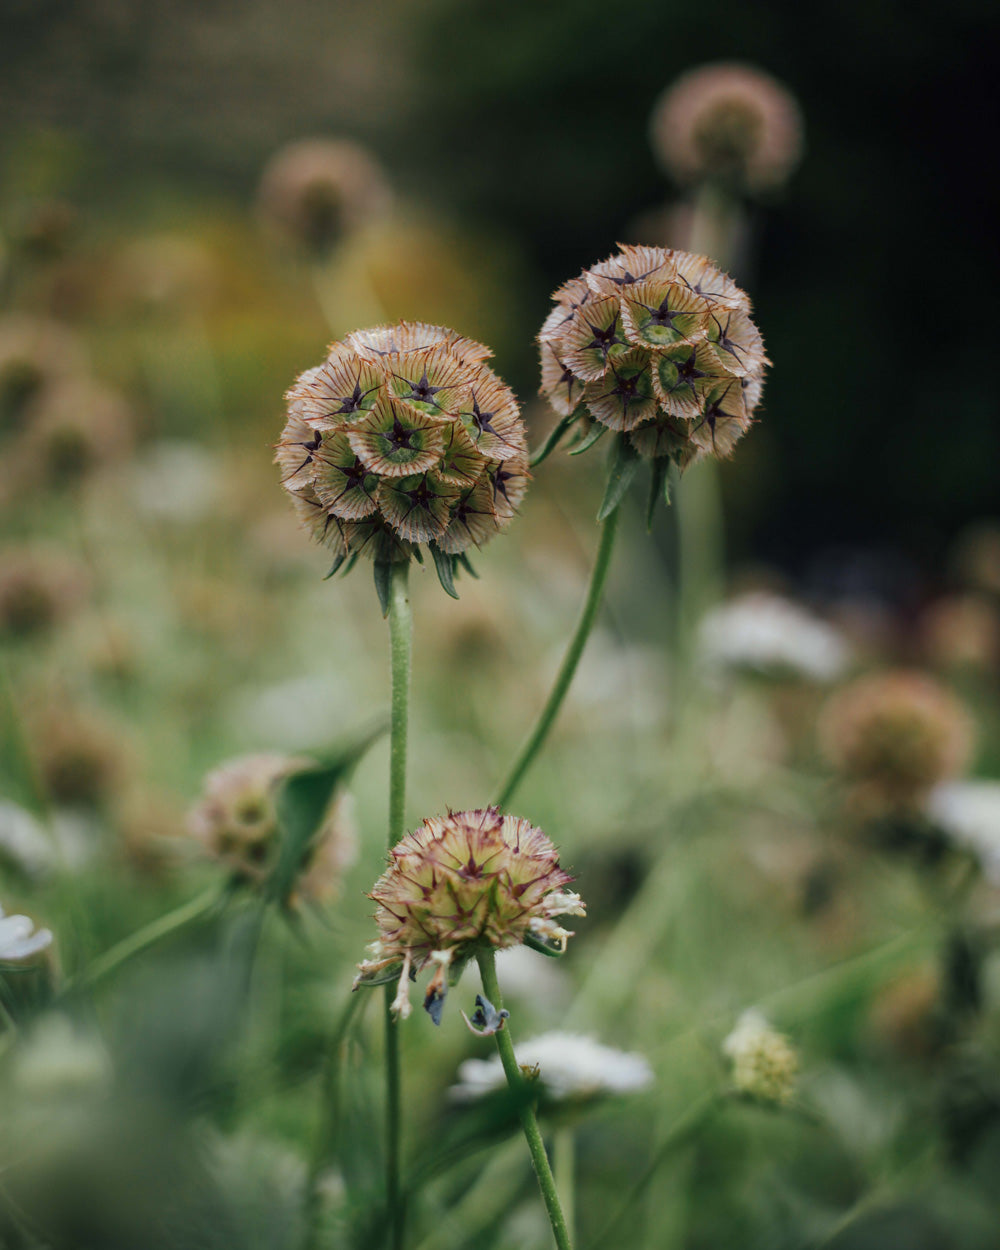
(403, 436)
(659, 345)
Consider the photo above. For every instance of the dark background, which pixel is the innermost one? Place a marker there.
(875, 273)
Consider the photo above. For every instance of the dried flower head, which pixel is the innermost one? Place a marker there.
(315, 191)
(403, 436)
(893, 737)
(20, 941)
(728, 121)
(570, 1067)
(765, 1063)
(165, 273)
(78, 426)
(80, 756)
(34, 353)
(237, 821)
(38, 589)
(462, 883)
(657, 344)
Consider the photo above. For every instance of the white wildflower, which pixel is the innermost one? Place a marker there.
(20, 941)
(60, 1059)
(765, 633)
(570, 1066)
(764, 1061)
(23, 842)
(969, 813)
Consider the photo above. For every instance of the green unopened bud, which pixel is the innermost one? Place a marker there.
(765, 1063)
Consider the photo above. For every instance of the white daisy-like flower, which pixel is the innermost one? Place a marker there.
(765, 1063)
(765, 633)
(969, 813)
(20, 941)
(570, 1066)
(23, 842)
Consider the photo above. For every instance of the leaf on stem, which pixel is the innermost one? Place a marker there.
(383, 577)
(556, 435)
(445, 566)
(624, 463)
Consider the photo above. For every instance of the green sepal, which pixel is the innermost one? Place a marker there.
(589, 439)
(445, 565)
(382, 570)
(352, 560)
(385, 977)
(556, 435)
(543, 947)
(336, 566)
(466, 564)
(623, 466)
(301, 804)
(659, 485)
(418, 555)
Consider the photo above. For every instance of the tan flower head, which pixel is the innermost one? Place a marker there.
(38, 588)
(314, 191)
(728, 121)
(462, 883)
(660, 345)
(81, 757)
(403, 436)
(79, 426)
(236, 820)
(34, 353)
(894, 736)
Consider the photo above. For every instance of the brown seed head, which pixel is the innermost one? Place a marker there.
(38, 588)
(81, 757)
(461, 883)
(315, 191)
(34, 353)
(894, 736)
(728, 121)
(403, 436)
(659, 344)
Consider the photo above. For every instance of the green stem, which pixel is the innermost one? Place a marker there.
(400, 652)
(154, 932)
(526, 1110)
(564, 1167)
(568, 668)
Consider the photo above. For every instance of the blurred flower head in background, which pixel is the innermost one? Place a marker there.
(764, 633)
(35, 353)
(313, 192)
(462, 883)
(39, 588)
(569, 1067)
(403, 436)
(893, 737)
(658, 344)
(20, 941)
(765, 1064)
(236, 820)
(728, 121)
(968, 812)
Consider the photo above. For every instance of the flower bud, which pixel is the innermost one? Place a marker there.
(659, 345)
(403, 436)
(728, 121)
(462, 883)
(764, 1062)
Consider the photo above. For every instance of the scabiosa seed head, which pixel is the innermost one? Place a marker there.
(236, 820)
(38, 589)
(765, 1063)
(315, 191)
(461, 883)
(893, 737)
(403, 436)
(657, 344)
(34, 353)
(728, 121)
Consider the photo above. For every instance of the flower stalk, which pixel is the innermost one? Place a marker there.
(400, 654)
(526, 1110)
(567, 669)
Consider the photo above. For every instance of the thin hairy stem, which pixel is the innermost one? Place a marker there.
(526, 1111)
(567, 669)
(400, 651)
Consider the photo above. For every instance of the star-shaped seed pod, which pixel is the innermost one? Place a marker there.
(659, 346)
(404, 437)
(458, 885)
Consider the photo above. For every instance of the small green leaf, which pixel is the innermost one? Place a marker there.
(555, 437)
(466, 564)
(352, 560)
(302, 802)
(543, 947)
(445, 565)
(383, 577)
(658, 486)
(335, 567)
(597, 431)
(623, 465)
(385, 977)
